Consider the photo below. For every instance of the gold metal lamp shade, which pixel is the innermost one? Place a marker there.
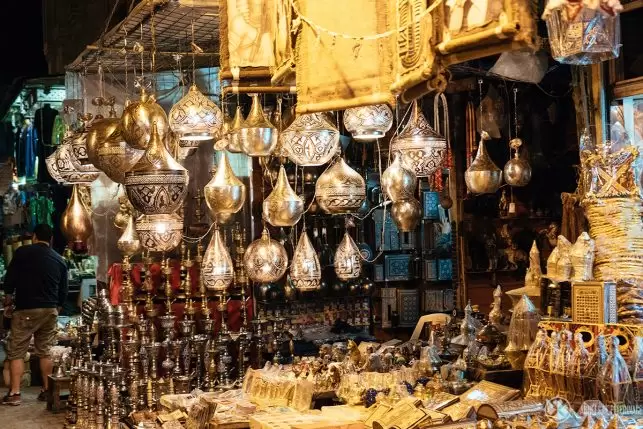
(76, 222)
(340, 189)
(406, 214)
(311, 140)
(258, 137)
(97, 134)
(305, 269)
(483, 176)
(234, 137)
(265, 259)
(398, 182)
(283, 207)
(368, 122)
(160, 232)
(225, 193)
(116, 157)
(157, 184)
(129, 244)
(421, 148)
(348, 263)
(138, 118)
(217, 270)
(195, 117)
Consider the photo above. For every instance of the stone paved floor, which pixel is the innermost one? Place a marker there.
(31, 414)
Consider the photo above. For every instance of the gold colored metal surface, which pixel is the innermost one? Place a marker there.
(160, 232)
(60, 165)
(234, 140)
(257, 136)
(217, 270)
(406, 214)
(368, 123)
(348, 263)
(76, 222)
(305, 269)
(398, 182)
(97, 134)
(157, 184)
(195, 117)
(116, 157)
(340, 189)
(311, 140)
(283, 207)
(483, 176)
(265, 259)
(129, 243)
(138, 118)
(225, 193)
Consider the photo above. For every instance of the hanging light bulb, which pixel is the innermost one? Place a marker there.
(265, 259)
(305, 270)
(348, 263)
(195, 117)
(234, 139)
(138, 120)
(129, 244)
(258, 137)
(283, 207)
(225, 193)
(217, 270)
(76, 222)
(421, 148)
(483, 176)
(368, 123)
(340, 189)
(398, 181)
(311, 140)
(406, 214)
(160, 232)
(157, 184)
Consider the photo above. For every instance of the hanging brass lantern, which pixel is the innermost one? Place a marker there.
(129, 244)
(406, 214)
(283, 207)
(311, 140)
(217, 270)
(52, 167)
(195, 117)
(258, 137)
(265, 259)
(305, 270)
(223, 141)
(225, 193)
(398, 182)
(138, 118)
(483, 176)
(421, 148)
(517, 171)
(368, 123)
(79, 154)
(116, 157)
(234, 138)
(62, 167)
(97, 134)
(340, 189)
(160, 232)
(76, 222)
(348, 263)
(157, 184)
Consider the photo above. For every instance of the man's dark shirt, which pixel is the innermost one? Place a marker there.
(38, 275)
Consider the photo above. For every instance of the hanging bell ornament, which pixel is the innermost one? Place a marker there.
(234, 140)
(305, 270)
(138, 118)
(283, 207)
(311, 140)
(129, 244)
(517, 170)
(195, 117)
(406, 214)
(217, 270)
(348, 262)
(265, 259)
(116, 157)
(225, 193)
(157, 184)
(97, 134)
(258, 137)
(340, 189)
(76, 222)
(398, 182)
(367, 123)
(483, 176)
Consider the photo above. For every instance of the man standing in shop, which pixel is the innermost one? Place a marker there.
(37, 276)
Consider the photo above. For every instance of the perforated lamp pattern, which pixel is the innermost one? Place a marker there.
(265, 259)
(195, 117)
(311, 140)
(217, 270)
(305, 269)
(368, 122)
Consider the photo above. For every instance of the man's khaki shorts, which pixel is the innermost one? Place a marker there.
(37, 322)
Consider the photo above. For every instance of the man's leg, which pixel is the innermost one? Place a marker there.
(44, 340)
(46, 368)
(17, 370)
(21, 332)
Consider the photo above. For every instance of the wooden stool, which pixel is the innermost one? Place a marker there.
(56, 384)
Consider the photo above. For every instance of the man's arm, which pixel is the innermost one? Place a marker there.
(63, 287)
(13, 271)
